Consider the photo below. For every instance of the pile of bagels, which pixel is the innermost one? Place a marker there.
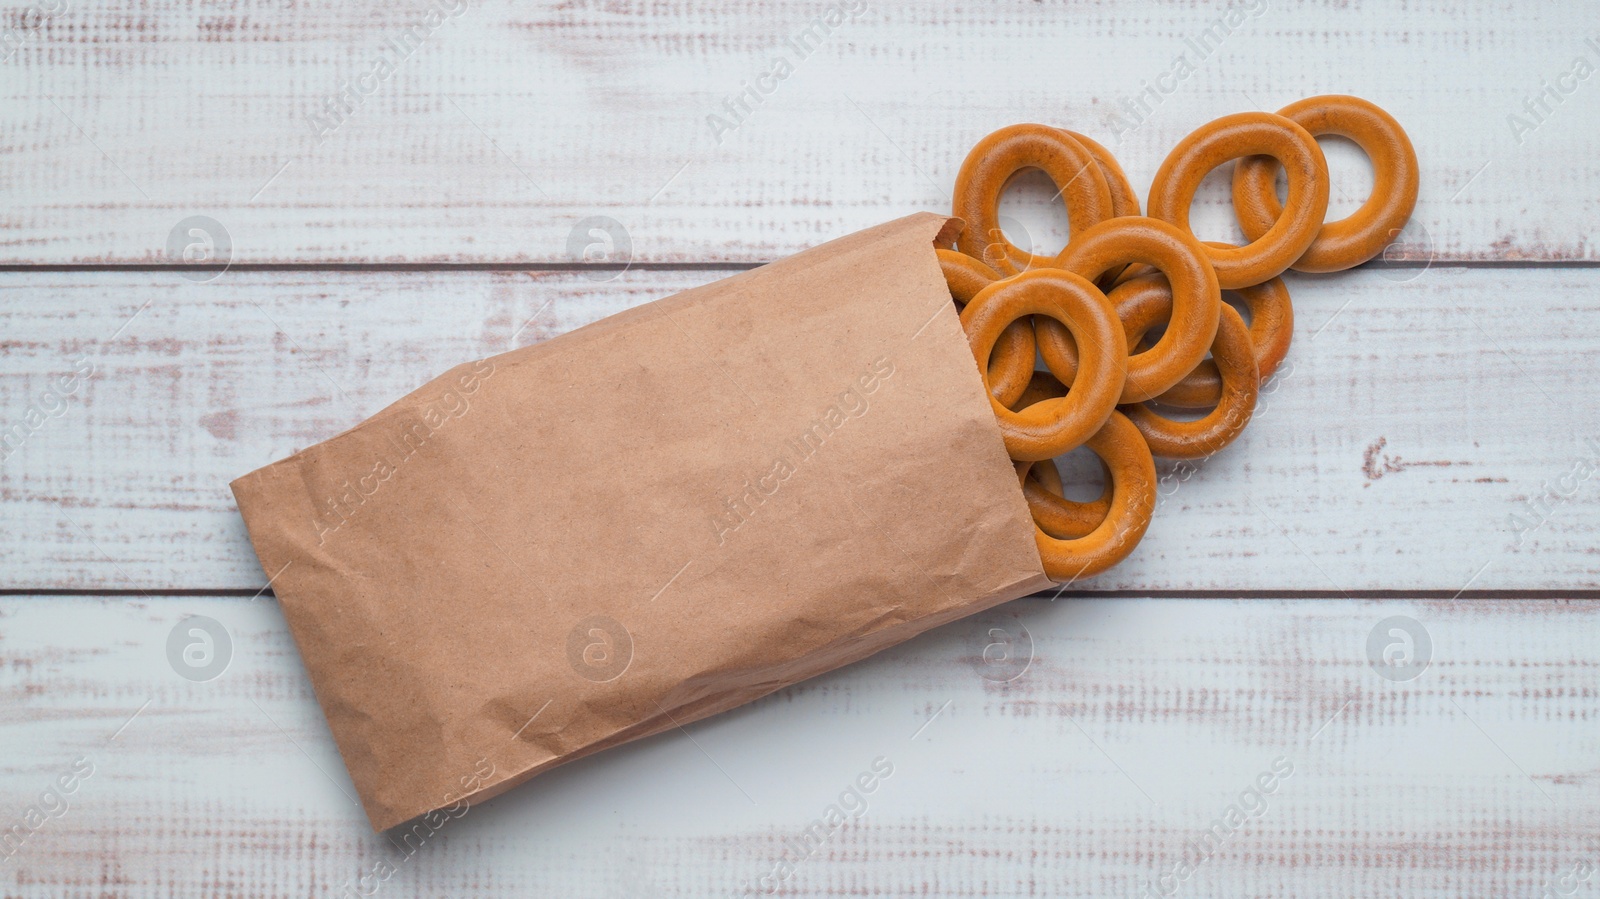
(1128, 318)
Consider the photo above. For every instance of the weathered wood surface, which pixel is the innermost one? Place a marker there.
(1427, 404)
(1135, 727)
(508, 123)
(1414, 420)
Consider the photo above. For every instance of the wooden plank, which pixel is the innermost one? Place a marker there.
(1133, 729)
(507, 124)
(1414, 419)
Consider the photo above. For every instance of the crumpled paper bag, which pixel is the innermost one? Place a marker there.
(654, 518)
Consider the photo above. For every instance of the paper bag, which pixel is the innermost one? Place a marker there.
(654, 518)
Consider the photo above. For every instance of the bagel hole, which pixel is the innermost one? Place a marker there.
(1176, 413)
(1350, 176)
(1150, 338)
(1350, 173)
(1211, 214)
(1082, 476)
(1238, 304)
(1154, 334)
(1032, 214)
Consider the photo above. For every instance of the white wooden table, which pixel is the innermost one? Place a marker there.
(1432, 397)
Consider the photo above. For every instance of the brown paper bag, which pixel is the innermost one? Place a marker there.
(651, 519)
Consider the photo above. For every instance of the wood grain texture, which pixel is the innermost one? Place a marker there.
(1135, 727)
(1428, 434)
(1412, 421)
(507, 124)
